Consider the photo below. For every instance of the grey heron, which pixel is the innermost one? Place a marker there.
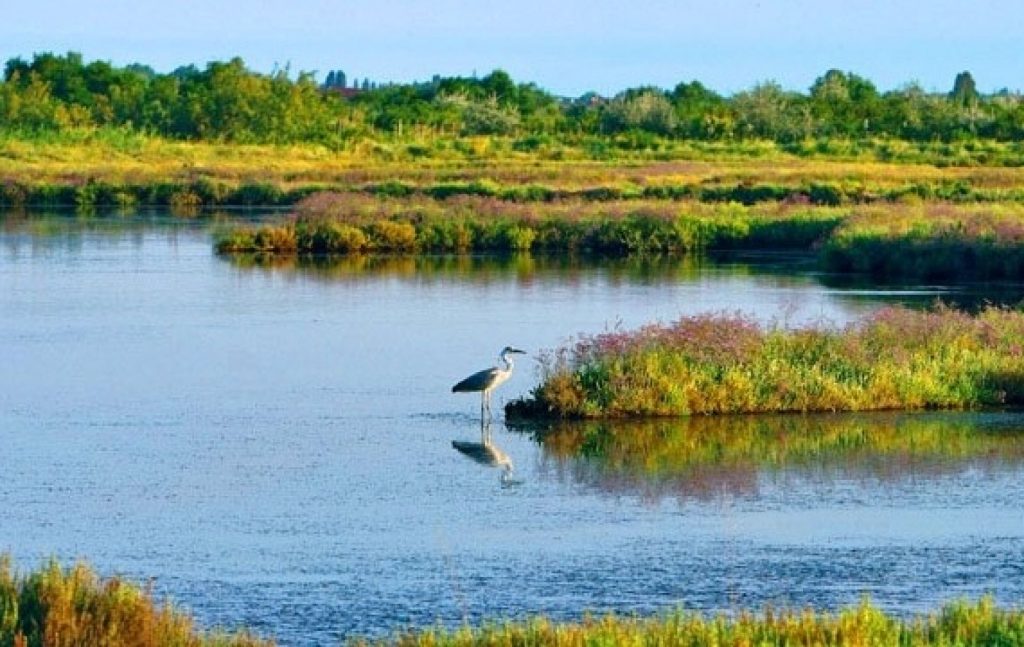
(489, 379)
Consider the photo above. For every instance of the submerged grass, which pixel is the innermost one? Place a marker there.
(716, 364)
(56, 606)
(960, 623)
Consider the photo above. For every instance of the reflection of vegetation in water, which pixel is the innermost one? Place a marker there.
(66, 228)
(702, 456)
(522, 266)
(959, 623)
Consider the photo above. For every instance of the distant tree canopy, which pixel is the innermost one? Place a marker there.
(226, 101)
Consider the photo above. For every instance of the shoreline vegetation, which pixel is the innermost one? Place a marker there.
(924, 240)
(958, 623)
(727, 364)
(57, 605)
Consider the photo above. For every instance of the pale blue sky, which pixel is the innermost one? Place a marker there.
(567, 47)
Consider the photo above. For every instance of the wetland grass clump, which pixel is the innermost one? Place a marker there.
(916, 240)
(339, 223)
(959, 623)
(896, 358)
(73, 606)
(930, 241)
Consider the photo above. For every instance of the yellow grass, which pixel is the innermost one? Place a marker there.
(145, 159)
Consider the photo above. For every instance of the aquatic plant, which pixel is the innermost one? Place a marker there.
(930, 241)
(933, 240)
(329, 222)
(895, 358)
(958, 623)
(57, 606)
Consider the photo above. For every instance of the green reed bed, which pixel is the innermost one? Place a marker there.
(915, 240)
(333, 223)
(55, 606)
(930, 241)
(718, 364)
(960, 623)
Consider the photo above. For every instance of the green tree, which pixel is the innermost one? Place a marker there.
(767, 111)
(844, 104)
(699, 111)
(644, 109)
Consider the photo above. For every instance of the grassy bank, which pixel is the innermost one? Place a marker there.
(717, 364)
(930, 241)
(962, 623)
(920, 240)
(55, 606)
(110, 167)
(333, 223)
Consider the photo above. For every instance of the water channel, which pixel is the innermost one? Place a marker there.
(271, 444)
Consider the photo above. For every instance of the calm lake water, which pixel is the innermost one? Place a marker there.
(271, 446)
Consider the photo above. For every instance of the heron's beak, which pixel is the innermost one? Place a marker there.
(516, 350)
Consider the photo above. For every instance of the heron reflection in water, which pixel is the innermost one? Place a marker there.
(487, 453)
(487, 380)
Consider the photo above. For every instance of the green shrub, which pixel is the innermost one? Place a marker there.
(894, 359)
(393, 236)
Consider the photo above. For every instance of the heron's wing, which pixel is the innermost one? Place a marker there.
(477, 381)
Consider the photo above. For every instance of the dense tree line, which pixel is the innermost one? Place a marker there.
(227, 101)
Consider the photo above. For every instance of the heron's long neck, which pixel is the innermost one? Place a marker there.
(507, 358)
